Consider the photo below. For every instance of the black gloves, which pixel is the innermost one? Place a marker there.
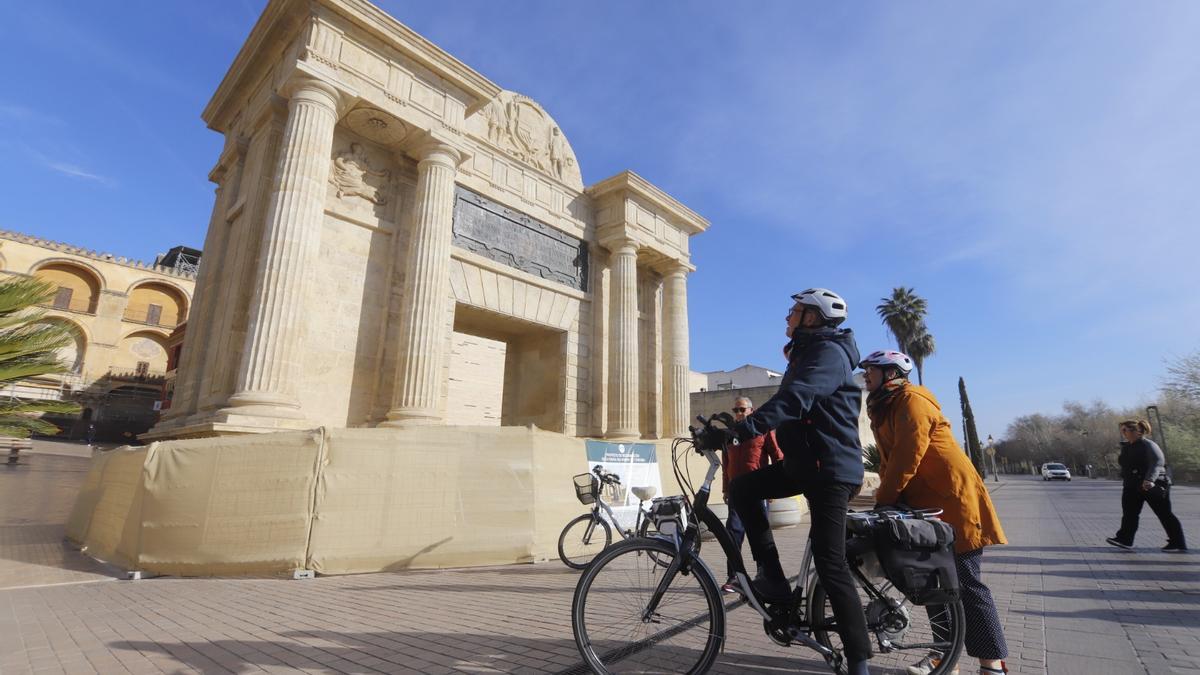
(713, 438)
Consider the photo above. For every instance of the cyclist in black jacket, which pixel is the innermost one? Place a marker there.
(815, 415)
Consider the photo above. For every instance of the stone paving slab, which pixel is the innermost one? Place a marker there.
(1069, 603)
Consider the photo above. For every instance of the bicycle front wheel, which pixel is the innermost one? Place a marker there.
(582, 539)
(616, 633)
(903, 634)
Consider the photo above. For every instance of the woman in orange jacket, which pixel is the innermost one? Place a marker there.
(922, 466)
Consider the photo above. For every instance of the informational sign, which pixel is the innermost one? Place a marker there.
(636, 464)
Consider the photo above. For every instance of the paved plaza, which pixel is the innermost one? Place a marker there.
(1070, 603)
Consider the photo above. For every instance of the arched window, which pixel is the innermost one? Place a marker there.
(77, 288)
(156, 305)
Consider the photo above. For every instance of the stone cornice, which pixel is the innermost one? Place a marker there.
(630, 183)
(282, 18)
(94, 255)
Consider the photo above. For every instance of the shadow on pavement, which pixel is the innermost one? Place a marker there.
(1180, 618)
(1122, 596)
(392, 652)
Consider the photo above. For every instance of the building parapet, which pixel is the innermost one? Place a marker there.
(94, 255)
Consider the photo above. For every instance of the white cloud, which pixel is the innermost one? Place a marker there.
(77, 172)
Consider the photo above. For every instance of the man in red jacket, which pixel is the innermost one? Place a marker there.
(743, 458)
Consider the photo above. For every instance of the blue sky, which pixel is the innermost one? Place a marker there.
(1030, 168)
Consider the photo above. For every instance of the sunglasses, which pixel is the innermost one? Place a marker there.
(740, 410)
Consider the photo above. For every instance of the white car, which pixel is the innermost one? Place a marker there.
(1055, 471)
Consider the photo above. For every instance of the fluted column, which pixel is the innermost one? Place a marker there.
(623, 344)
(270, 358)
(418, 377)
(676, 367)
(188, 371)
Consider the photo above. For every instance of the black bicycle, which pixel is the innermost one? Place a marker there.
(631, 613)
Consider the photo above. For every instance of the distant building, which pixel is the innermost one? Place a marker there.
(121, 313)
(742, 377)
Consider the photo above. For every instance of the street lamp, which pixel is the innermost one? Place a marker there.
(991, 451)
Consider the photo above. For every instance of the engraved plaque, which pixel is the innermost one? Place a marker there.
(514, 239)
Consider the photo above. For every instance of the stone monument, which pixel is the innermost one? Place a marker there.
(397, 241)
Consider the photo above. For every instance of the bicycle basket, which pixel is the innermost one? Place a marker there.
(667, 514)
(587, 488)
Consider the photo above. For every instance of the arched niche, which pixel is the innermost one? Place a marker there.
(78, 286)
(141, 352)
(156, 304)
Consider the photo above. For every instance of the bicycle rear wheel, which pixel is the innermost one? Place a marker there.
(911, 632)
(582, 539)
(683, 635)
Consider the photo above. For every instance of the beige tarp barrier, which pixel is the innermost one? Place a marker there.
(107, 515)
(441, 497)
(337, 501)
(341, 501)
(229, 505)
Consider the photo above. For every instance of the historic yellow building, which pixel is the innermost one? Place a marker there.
(120, 312)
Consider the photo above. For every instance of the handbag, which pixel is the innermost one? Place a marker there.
(917, 556)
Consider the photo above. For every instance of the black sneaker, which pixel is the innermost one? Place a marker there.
(1119, 544)
(772, 590)
(1174, 548)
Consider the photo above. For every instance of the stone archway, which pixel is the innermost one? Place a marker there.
(506, 372)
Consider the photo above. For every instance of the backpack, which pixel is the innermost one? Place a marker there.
(918, 558)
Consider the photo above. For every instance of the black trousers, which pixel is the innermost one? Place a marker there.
(737, 532)
(827, 504)
(1159, 499)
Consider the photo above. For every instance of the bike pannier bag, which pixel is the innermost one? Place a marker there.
(918, 558)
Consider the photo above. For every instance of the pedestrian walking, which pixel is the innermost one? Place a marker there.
(922, 466)
(1144, 478)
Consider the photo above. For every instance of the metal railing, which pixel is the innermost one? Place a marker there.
(77, 306)
(146, 317)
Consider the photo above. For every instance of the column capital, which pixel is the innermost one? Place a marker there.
(618, 242)
(437, 148)
(302, 87)
(675, 268)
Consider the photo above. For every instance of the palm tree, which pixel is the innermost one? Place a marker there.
(920, 347)
(903, 314)
(29, 348)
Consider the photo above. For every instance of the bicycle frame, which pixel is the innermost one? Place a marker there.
(685, 559)
(612, 518)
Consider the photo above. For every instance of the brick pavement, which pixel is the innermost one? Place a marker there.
(1070, 604)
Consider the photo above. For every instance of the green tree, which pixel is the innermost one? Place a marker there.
(973, 449)
(920, 348)
(871, 459)
(904, 315)
(29, 348)
(1183, 377)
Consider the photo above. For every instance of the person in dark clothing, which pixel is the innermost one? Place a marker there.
(742, 459)
(1144, 478)
(815, 417)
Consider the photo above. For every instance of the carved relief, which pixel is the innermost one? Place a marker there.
(353, 176)
(519, 127)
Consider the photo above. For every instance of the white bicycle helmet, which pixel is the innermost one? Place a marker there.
(885, 358)
(829, 304)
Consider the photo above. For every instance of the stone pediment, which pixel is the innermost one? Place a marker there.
(521, 129)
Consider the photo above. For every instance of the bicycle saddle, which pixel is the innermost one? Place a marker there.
(645, 493)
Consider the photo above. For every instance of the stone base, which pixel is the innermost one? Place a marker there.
(223, 425)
